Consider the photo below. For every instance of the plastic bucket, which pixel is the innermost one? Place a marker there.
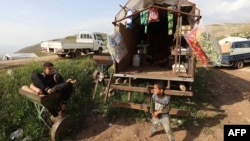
(136, 60)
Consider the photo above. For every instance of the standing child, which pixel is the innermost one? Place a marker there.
(160, 115)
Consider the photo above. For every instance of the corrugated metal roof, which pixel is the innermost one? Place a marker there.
(12, 56)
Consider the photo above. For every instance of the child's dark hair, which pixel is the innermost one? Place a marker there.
(48, 64)
(160, 84)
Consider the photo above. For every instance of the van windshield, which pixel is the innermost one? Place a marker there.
(99, 37)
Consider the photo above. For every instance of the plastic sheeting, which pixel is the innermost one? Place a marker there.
(14, 56)
(204, 45)
(116, 46)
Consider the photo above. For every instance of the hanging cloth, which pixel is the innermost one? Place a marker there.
(129, 20)
(144, 19)
(153, 15)
(170, 21)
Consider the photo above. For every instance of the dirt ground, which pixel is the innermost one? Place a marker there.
(230, 90)
(20, 62)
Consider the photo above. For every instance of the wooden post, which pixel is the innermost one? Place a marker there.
(96, 84)
(177, 39)
(107, 88)
(129, 92)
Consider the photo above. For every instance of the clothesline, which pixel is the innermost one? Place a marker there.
(167, 9)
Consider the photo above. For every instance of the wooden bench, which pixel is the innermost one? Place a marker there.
(48, 101)
(60, 126)
(43, 103)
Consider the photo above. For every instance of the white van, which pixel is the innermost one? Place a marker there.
(85, 42)
(236, 53)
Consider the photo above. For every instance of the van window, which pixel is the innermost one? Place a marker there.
(248, 44)
(244, 44)
(90, 37)
(99, 37)
(86, 36)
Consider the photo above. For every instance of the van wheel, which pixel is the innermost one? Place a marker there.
(78, 53)
(86, 51)
(62, 55)
(239, 64)
(72, 54)
(99, 51)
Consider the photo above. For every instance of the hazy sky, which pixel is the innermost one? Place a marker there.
(28, 22)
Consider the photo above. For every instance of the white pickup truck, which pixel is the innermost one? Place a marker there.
(85, 42)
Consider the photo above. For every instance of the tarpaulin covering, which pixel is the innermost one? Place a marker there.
(142, 4)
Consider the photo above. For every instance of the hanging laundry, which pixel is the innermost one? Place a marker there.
(170, 21)
(153, 15)
(129, 20)
(144, 19)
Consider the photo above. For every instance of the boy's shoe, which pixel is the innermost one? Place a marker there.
(151, 135)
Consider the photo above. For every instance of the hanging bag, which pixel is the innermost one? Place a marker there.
(153, 15)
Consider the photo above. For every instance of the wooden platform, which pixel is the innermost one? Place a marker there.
(146, 90)
(48, 101)
(103, 59)
(154, 72)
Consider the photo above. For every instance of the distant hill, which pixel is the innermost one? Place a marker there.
(31, 49)
(218, 30)
(233, 29)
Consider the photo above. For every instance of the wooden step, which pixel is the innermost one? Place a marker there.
(150, 90)
(146, 108)
(130, 105)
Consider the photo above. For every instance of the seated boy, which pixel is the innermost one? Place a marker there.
(49, 82)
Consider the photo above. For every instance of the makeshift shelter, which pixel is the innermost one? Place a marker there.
(161, 36)
(148, 44)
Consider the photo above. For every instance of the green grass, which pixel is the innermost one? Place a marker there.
(18, 112)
